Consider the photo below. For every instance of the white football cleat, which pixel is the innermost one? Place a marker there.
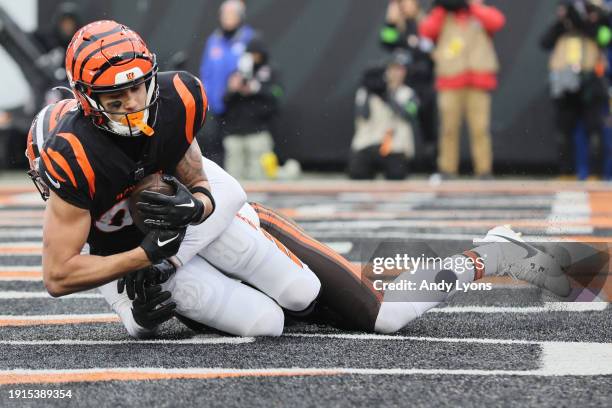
(526, 262)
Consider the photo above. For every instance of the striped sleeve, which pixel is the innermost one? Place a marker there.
(66, 170)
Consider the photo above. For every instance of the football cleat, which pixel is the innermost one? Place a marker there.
(526, 262)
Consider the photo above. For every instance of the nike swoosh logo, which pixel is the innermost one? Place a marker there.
(531, 252)
(54, 183)
(189, 204)
(162, 243)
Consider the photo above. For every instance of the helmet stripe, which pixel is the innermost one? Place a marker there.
(61, 161)
(96, 51)
(189, 103)
(82, 160)
(92, 47)
(95, 37)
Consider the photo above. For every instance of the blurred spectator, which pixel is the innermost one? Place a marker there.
(251, 102)
(40, 57)
(577, 67)
(65, 22)
(385, 109)
(466, 67)
(220, 58)
(401, 32)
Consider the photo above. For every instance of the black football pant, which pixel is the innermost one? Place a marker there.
(570, 109)
(364, 164)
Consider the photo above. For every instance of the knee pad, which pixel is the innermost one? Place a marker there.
(246, 252)
(205, 295)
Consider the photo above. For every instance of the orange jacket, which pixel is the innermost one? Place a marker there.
(492, 21)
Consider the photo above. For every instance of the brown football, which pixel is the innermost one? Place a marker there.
(153, 182)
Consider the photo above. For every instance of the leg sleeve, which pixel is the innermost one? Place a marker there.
(203, 294)
(342, 288)
(246, 252)
(229, 198)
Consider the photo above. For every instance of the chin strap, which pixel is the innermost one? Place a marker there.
(136, 120)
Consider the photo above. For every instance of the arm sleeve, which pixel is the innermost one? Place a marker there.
(64, 180)
(491, 18)
(229, 198)
(432, 24)
(192, 108)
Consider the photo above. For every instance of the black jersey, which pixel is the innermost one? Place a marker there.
(96, 170)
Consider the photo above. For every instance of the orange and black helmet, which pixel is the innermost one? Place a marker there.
(42, 128)
(108, 57)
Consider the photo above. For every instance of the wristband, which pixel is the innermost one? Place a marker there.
(206, 192)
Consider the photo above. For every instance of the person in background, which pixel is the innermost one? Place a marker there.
(385, 109)
(65, 22)
(45, 49)
(220, 58)
(466, 67)
(400, 31)
(251, 101)
(589, 151)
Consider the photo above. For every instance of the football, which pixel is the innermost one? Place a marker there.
(152, 182)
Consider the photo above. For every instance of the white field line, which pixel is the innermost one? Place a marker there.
(21, 233)
(70, 342)
(92, 316)
(21, 244)
(44, 295)
(8, 273)
(558, 357)
(547, 307)
(12, 268)
(570, 206)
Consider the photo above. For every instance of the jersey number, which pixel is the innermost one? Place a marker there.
(116, 218)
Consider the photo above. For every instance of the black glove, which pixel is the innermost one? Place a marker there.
(162, 244)
(151, 313)
(177, 211)
(136, 281)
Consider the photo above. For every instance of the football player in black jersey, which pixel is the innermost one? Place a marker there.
(131, 121)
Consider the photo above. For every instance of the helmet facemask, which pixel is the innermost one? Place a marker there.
(131, 124)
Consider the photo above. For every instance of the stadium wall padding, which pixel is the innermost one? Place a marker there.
(322, 46)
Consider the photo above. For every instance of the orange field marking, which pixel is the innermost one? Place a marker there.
(38, 321)
(21, 250)
(97, 375)
(17, 274)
